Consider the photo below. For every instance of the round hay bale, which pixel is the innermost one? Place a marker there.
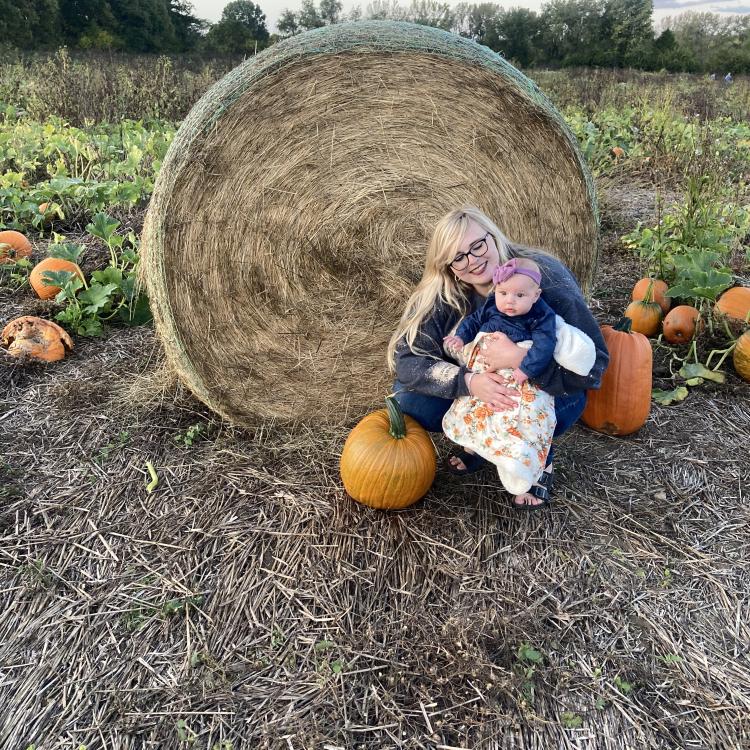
(291, 215)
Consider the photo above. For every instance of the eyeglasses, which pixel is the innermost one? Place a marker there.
(477, 248)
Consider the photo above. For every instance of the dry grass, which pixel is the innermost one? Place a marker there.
(247, 601)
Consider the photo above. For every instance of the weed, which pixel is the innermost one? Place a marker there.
(103, 454)
(624, 687)
(184, 732)
(528, 659)
(191, 435)
(571, 720)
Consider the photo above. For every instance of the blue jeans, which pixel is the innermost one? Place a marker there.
(429, 410)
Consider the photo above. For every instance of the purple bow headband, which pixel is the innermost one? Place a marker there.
(504, 272)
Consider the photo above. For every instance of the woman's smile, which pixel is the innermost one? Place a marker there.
(479, 269)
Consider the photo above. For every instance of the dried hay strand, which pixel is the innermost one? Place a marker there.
(291, 214)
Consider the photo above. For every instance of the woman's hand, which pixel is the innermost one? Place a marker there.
(500, 352)
(490, 388)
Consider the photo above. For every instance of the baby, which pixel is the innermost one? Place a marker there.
(518, 312)
(516, 440)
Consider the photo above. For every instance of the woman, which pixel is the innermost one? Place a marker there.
(465, 249)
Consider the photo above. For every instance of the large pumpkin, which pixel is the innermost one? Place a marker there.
(36, 277)
(388, 459)
(623, 402)
(735, 303)
(741, 356)
(13, 245)
(36, 338)
(658, 291)
(681, 324)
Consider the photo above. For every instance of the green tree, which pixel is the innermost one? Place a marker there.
(309, 16)
(87, 18)
(330, 11)
(288, 24)
(189, 29)
(30, 24)
(626, 26)
(572, 33)
(517, 31)
(241, 29)
(431, 13)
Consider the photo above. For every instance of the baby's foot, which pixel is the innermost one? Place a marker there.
(538, 496)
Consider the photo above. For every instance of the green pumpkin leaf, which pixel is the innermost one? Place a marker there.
(97, 297)
(102, 226)
(665, 398)
(109, 275)
(697, 370)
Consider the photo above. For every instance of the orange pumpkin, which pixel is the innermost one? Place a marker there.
(43, 208)
(681, 324)
(735, 303)
(623, 402)
(658, 290)
(36, 338)
(388, 459)
(645, 316)
(13, 245)
(36, 277)
(741, 356)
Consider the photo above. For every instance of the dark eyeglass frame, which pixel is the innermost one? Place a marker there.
(462, 259)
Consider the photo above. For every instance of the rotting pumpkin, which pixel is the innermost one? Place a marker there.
(36, 338)
(622, 404)
(388, 460)
(36, 277)
(13, 245)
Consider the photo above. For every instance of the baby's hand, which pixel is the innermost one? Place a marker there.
(520, 376)
(453, 344)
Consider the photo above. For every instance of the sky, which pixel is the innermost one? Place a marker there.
(211, 9)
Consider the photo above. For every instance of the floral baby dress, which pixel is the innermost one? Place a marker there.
(517, 440)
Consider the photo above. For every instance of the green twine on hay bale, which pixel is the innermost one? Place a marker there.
(291, 215)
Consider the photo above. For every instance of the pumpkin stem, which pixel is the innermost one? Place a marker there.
(396, 418)
(623, 324)
(649, 293)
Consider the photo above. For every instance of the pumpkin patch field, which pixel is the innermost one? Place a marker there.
(171, 580)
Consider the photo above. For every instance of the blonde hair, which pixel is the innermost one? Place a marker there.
(438, 284)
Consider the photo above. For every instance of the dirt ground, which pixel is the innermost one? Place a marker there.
(249, 603)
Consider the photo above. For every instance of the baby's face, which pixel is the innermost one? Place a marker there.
(516, 295)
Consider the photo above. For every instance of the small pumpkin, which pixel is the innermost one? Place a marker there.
(36, 338)
(735, 303)
(13, 245)
(623, 402)
(36, 277)
(681, 324)
(618, 152)
(658, 292)
(388, 460)
(645, 314)
(741, 356)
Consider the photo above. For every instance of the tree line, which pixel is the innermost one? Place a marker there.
(565, 33)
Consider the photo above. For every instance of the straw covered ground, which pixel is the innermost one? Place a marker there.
(248, 603)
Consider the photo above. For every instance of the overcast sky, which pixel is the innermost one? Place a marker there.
(211, 9)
